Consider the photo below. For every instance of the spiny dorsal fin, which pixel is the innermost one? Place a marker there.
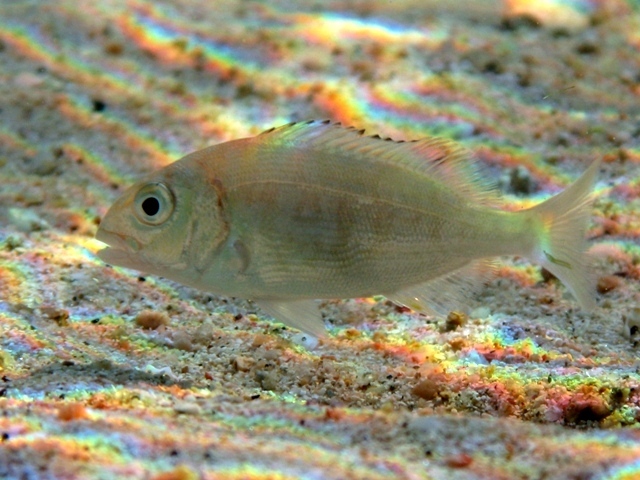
(437, 158)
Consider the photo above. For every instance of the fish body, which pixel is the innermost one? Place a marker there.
(315, 211)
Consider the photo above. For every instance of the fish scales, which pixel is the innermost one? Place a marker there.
(343, 222)
(314, 210)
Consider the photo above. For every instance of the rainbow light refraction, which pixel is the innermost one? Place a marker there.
(107, 372)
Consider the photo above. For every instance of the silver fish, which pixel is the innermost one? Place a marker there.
(316, 211)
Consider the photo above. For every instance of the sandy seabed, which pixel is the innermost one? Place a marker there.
(105, 373)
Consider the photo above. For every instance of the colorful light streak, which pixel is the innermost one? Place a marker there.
(337, 28)
(134, 434)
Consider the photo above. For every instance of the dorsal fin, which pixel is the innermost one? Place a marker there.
(437, 158)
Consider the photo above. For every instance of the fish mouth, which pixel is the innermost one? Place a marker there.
(117, 240)
(121, 249)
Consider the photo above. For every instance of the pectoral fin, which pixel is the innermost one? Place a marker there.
(303, 315)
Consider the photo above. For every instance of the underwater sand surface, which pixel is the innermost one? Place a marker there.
(107, 373)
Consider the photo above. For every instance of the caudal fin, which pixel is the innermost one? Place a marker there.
(562, 245)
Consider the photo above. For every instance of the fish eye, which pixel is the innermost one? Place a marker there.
(154, 204)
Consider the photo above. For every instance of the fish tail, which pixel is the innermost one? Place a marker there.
(562, 243)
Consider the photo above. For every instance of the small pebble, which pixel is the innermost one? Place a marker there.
(187, 408)
(632, 323)
(260, 339)
(455, 320)
(267, 380)
(179, 473)
(243, 364)
(59, 315)
(72, 411)
(151, 319)
(183, 341)
(608, 283)
(427, 389)
(460, 460)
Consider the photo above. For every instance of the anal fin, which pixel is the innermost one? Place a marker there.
(303, 315)
(441, 295)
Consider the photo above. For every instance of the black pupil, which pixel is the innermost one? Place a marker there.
(151, 206)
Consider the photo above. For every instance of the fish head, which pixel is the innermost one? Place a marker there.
(156, 225)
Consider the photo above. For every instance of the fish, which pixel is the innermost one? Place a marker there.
(313, 210)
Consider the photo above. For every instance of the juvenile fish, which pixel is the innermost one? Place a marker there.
(316, 211)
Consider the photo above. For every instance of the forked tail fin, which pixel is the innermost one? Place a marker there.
(562, 245)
